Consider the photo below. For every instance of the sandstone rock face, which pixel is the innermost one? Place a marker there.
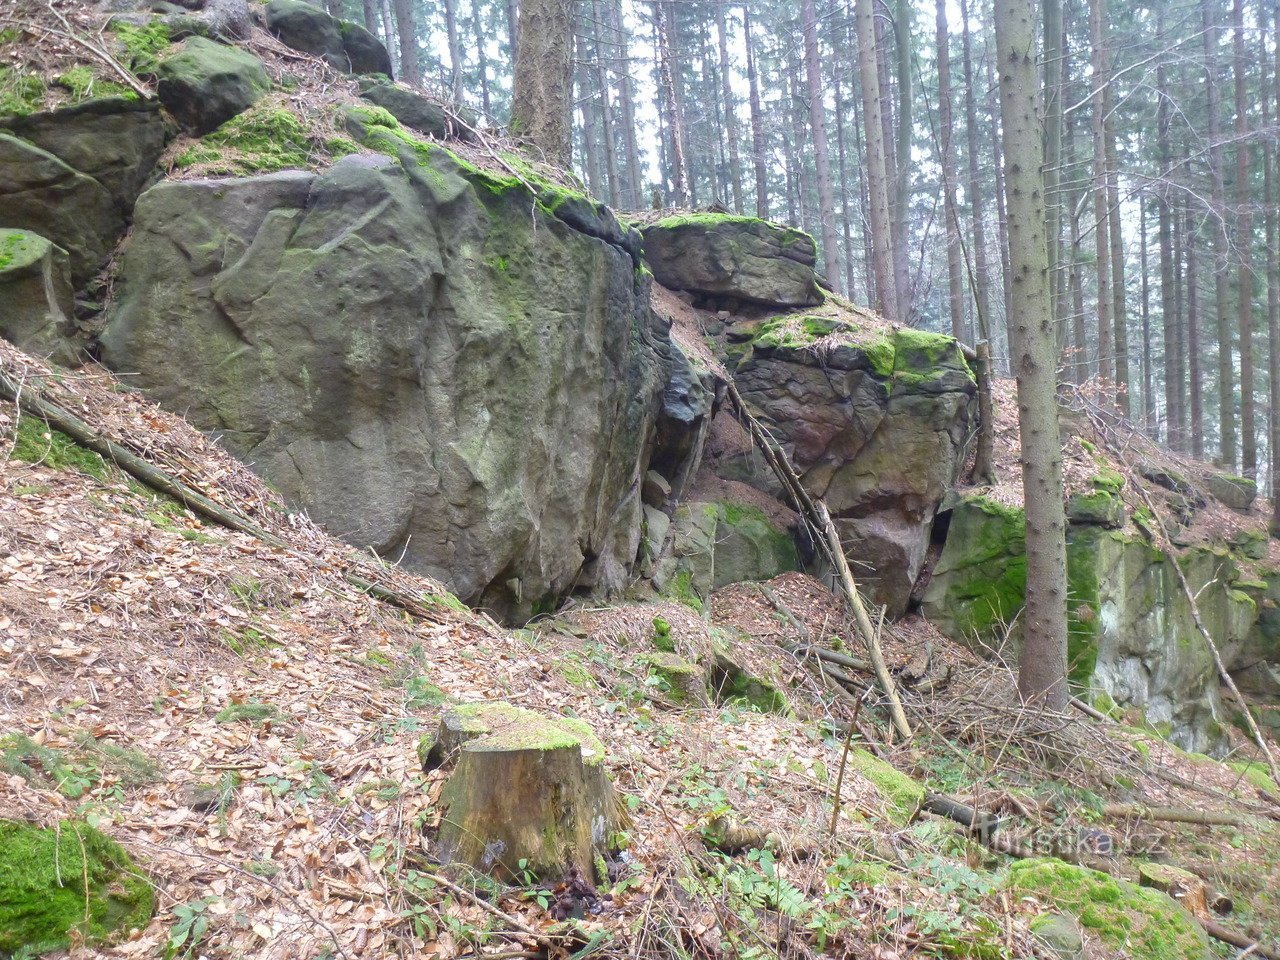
(1130, 630)
(878, 429)
(207, 83)
(35, 295)
(72, 175)
(342, 44)
(418, 354)
(714, 544)
(738, 258)
(1238, 493)
(408, 106)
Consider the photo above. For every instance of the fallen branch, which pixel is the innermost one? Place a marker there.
(816, 514)
(1250, 946)
(483, 904)
(66, 422)
(1137, 811)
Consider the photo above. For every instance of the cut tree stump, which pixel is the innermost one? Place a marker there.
(527, 793)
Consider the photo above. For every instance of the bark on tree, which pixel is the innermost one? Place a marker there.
(482, 58)
(981, 273)
(587, 104)
(606, 111)
(1221, 242)
(1042, 668)
(1101, 229)
(842, 172)
(730, 109)
(455, 50)
(1148, 394)
(1053, 65)
(1164, 227)
(1272, 201)
(543, 83)
(877, 177)
(1119, 307)
(1191, 346)
(1002, 218)
(902, 24)
(955, 278)
(821, 148)
(370, 17)
(410, 72)
(666, 80)
(626, 101)
(513, 29)
(1244, 252)
(757, 119)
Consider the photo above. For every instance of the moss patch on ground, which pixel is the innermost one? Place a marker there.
(142, 43)
(902, 795)
(21, 93)
(41, 444)
(1145, 924)
(65, 885)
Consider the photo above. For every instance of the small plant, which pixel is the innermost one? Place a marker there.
(251, 711)
(190, 930)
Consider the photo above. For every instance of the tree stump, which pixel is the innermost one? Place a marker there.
(527, 794)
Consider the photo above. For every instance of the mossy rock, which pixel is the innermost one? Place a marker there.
(207, 83)
(901, 796)
(1060, 935)
(66, 885)
(684, 680)
(1145, 924)
(729, 683)
(1099, 508)
(1238, 493)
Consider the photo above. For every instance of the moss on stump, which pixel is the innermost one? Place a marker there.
(65, 885)
(527, 793)
(1145, 924)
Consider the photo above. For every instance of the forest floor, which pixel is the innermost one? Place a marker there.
(246, 723)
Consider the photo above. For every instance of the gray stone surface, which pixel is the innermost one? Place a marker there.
(206, 83)
(35, 296)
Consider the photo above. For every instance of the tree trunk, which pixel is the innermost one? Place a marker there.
(626, 101)
(955, 279)
(1053, 67)
(730, 109)
(587, 104)
(902, 24)
(842, 171)
(1148, 397)
(1119, 307)
(1178, 403)
(1002, 219)
(1042, 668)
(981, 274)
(543, 84)
(513, 31)
(679, 174)
(606, 112)
(687, 182)
(410, 72)
(482, 58)
(796, 155)
(821, 156)
(1272, 203)
(1191, 346)
(1101, 231)
(389, 33)
(757, 120)
(370, 17)
(1221, 243)
(1244, 248)
(455, 50)
(878, 181)
(1164, 235)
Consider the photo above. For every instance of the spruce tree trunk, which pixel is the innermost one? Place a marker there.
(1002, 219)
(842, 171)
(730, 110)
(757, 120)
(799, 148)
(587, 104)
(1119, 307)
(482, 58)
(1244, 250)
(679, 173)
(543, 84)
(1148, 397)
(513, 31)
(1221, 244)
(1101, 230)
(455, 50)
(877, 177)
(1042, 668)
(370, 17)
(389, 35)
(1273, 282)
(626, 101)
(955, 270)
(1053, 66)
(1178, 404)
(1192, 347)
(612, 174)
(1164, 235)
(981, 273)
(410, 72)
(902, 29)
(821, 148)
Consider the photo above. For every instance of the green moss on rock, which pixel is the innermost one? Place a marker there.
(65, 885)
(142, 43)
(902, 795)
(83, 84)
(261, 140)
(1143, 923)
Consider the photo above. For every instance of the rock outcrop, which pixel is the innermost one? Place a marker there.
(415, 351)
(1131, 636)
(728, 259)
(877, 422)
(342, 44)
(207, 83)
(72, 175)
(36, 308)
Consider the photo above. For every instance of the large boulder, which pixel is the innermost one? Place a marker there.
(876, 421)
(719, 543)
(36, 303)
(72, 175)
(721, 257)
(207, 83)
(413, 350)
(1238, 493)
(1131, 634)
(342, 44)
(412, 108)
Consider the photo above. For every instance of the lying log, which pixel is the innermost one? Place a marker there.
(1137, 811)
(528, 793)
